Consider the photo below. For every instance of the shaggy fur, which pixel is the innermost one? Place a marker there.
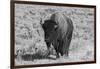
(58, 32)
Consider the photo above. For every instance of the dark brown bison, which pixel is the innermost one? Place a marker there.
(58, 32)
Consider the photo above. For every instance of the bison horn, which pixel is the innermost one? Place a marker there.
(41, 21)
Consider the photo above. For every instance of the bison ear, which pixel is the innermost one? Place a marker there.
(56, 26)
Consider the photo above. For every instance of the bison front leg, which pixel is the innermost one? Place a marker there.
(48, 47)
(56, 44)
(57, 53)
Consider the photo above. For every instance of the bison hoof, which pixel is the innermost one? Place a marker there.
(57, 56)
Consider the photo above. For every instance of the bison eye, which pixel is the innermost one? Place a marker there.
(55, 26)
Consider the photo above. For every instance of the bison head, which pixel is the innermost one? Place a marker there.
(50, 29)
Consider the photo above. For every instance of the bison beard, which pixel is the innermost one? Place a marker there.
(58, 32)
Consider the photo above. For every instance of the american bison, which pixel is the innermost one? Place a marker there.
(58, 32)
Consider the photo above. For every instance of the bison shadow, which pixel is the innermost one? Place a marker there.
(32, 57)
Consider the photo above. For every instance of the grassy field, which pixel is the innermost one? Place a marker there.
(30, 47)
